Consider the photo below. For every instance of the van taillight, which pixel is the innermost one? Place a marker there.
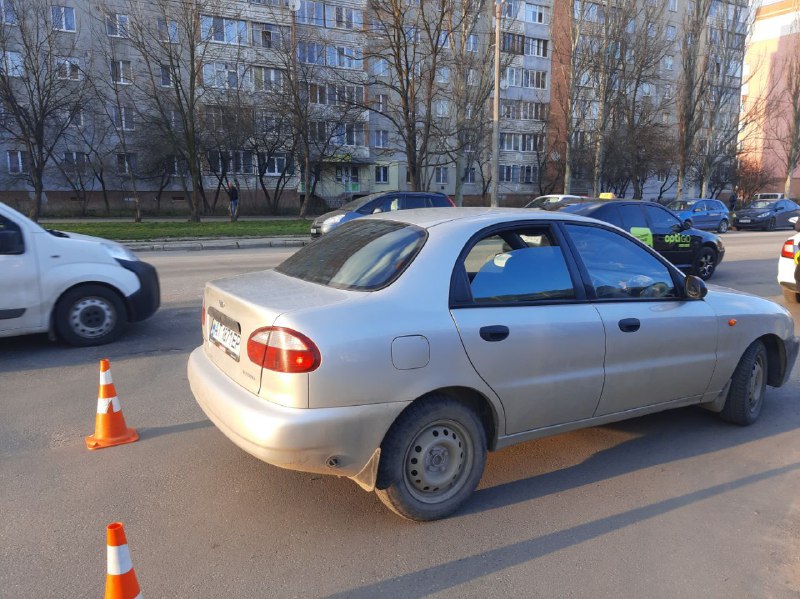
(788, 249)
(282, 350)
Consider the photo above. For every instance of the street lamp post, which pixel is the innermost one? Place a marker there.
(496, 105)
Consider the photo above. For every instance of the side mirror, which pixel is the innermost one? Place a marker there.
(686, 225)
(695, 287)
(11, 242)
(778, 208)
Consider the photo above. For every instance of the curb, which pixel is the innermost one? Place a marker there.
(215, 244)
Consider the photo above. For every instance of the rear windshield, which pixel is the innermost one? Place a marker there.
(362, 255)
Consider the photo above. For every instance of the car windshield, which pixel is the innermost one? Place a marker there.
(762, 205)
(360, 255)
(354, 205)
(681, 205)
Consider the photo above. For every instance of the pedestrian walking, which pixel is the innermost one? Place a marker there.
(233, 196)
(732, 200)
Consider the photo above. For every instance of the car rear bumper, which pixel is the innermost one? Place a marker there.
(337, 441)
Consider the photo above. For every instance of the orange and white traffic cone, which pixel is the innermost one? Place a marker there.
(121, 580)
(109, 425)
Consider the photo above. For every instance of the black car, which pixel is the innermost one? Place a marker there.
(692, 250)
(376, 203)
(766, 215)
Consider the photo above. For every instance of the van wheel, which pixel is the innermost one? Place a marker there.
(90, 315)
(748, 386)
(432, 459)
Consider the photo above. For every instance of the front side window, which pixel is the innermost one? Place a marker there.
(520, 265)
(362, 255)
(11, 241)
(618, 268)
(661, 220)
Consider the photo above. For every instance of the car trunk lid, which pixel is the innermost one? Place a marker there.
(238, 306)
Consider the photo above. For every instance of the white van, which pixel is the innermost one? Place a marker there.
(81, 289)
(769, 196)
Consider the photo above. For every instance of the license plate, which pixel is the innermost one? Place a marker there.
(225, 338)
(744, 220)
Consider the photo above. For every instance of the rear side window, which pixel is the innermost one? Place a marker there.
(610, 214)
(360, 255)
(632, 217)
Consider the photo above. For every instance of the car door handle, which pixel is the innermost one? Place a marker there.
(496, 332)
(629, 325)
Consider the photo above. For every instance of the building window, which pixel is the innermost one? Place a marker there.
(117, 25)
(224, 75)
(381, 103)
(122, 117)
(347, 174)
(223, 31)
(671, 32)
(126, 163)
(310, 53)
(68, 68)
(75, 162)
(472, 43)
(536, 13)
(469, 175)
(272, 165)
(343, 17)
(349, 134)
(262, 35)
(63, 18)
(380, 67)
(440, 174)
(311, 13)
(443, 75)
(166, 76)
(513, 43)
(345, 57)
(380, 138)
(535, 79)
(265, 79)
(673, 5)
(382, 174)
(167, 31)
(74, 119)
(17, 162)
(7, 14)
(668, 62)
(121, 72)
(536, 47)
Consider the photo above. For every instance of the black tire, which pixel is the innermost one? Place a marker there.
(432, 459)
(705, 263)
(748, 386)
(771, 223)
(90, 315)
(722, 227)
(791, 296)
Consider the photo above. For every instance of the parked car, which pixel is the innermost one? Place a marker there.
(377, 203)
(788, 267)
(82, 289)
(690, 249)
(401, 347)
(703, 213)
(766, 215)
(768, 196)
(551, 202)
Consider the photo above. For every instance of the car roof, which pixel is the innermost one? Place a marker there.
(431, 217)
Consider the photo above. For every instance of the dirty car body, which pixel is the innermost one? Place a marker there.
(400, 348)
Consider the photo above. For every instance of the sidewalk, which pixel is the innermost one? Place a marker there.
(217, 243)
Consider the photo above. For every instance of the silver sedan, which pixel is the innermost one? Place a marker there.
(400, 348)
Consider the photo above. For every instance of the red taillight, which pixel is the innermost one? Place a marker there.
(282, 350)
(788, 249)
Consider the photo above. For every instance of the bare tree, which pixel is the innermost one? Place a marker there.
(752, 177)
(784, 127)
(42, 84)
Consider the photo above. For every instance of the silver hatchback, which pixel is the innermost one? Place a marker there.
(400, 348)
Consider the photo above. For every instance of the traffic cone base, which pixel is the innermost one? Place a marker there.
(109, 428)
(121, 580)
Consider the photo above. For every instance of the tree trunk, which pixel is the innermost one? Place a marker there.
(459, 192)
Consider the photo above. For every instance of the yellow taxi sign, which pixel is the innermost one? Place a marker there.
(607, 195)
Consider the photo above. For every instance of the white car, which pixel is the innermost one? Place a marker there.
(82, 289)
(788, 268)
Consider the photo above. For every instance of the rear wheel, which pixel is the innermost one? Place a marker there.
(705, 263)
(748, 386)
(723, 226)
(90, 315)
(432, 459)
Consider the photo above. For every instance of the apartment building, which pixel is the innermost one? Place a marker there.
(771, 70)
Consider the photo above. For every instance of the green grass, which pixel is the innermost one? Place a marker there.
(147, 231)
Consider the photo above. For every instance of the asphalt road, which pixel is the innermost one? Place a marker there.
(672, 505)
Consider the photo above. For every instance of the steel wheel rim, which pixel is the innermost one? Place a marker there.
(706, 265)
(723, 226)
(438, 461)
(92, 317)
(755, 391)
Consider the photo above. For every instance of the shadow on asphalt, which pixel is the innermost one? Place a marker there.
(170, 330)
(159, 431)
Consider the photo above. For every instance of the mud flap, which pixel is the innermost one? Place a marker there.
(369, 473)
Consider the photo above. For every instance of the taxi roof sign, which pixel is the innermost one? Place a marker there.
(607, 195)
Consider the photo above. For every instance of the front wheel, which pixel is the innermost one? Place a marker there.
(90, 315)
(748, 386)
(723, 226)
(432, 459)
(770, 224)
(706, 263)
